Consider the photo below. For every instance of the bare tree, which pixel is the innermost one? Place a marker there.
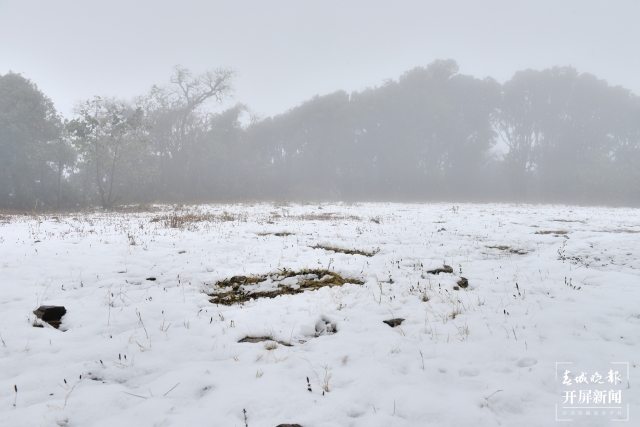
(177, 116)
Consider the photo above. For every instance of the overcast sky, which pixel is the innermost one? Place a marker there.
(287, 51)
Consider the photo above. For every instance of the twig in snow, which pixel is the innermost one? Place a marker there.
(487, 397)
(142, 323)
(67, 396)
(171, 389)
(135, 395)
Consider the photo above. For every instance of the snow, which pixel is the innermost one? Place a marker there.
(135, 352)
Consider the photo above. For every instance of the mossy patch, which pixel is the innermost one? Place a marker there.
(240, 289)
(347, 251)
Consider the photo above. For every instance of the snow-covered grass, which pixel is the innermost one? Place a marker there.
(547, 284)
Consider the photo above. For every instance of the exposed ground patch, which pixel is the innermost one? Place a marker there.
(445, 269)
(262, 339)
(347, 251)
(551, 232)
(240, 289)
(508, 249)
(278, 234)
(328, 216)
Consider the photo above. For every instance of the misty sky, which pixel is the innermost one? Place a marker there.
(288, 51)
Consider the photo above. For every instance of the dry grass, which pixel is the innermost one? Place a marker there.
(184, 220)
(551, 232)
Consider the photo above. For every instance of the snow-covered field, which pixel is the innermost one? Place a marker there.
(136, 352)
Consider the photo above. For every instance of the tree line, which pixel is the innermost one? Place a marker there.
(550, 136)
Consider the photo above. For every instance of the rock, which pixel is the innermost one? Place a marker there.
(52, 314)
(393, 322)
(463, 283)
(151, 279)
(289, 425)
(444, 269)
(456, 288)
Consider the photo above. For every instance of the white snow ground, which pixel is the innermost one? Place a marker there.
(133, 352)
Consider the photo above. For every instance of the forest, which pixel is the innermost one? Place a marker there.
(549, 136)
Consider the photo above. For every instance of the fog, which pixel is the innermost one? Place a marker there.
(300, 100)
(288, 51)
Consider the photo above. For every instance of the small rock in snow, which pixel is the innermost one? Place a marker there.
(394, 322)
(51, 314)
(463, 283)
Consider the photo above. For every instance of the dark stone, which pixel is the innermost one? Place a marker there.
(463, 283)
(289, 425)
(456, 288)
(444, 269)
(152, 279)
(394, 322)
(51, 314)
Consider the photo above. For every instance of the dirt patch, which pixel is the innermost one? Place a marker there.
(240, 289)
(347, 251)
(444, 269)
(326, 216)
(262, 339)
(279, 234)
(508, 249)
(551, 232)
